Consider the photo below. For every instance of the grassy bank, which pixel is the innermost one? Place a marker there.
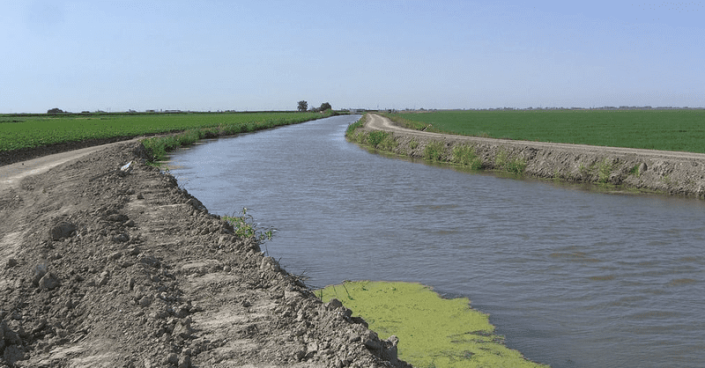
(432, 331)
(671, 130)
(434, 151)
(17, 132)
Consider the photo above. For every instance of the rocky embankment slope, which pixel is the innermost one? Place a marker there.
(102, 267)
(678, 173)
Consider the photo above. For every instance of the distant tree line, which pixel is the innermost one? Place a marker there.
(303, 106)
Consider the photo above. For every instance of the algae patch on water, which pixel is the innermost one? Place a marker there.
(432, 331)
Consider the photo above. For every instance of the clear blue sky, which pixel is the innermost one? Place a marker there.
(267, 55)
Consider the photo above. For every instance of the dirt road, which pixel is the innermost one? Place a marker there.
(377, 122)
(678, 173)
(101, 267)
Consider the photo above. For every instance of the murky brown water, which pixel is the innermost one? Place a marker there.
(572, 278)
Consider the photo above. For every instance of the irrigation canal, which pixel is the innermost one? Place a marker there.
(572, 278)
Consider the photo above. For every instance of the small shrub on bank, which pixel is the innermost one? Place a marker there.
(388, 143)
(434, 151)
(465, 155)
(244, 226)
(635, 171)
(604, 169)
(376, 137)
(514, 165)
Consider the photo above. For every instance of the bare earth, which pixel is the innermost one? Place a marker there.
(101, 267)
(679, 173)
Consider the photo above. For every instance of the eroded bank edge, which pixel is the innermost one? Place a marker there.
(681, 177)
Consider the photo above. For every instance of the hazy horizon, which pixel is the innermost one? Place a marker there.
(267, 55)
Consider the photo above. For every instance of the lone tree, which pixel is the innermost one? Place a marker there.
(324, 106)
(55, 111)
(303, 106)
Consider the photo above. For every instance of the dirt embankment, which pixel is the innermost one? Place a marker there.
(679, 173)
(107, 268)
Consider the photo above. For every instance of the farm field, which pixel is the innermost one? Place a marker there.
(670, 130)
(17, 132)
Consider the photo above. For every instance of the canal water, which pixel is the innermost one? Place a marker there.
(571, 278)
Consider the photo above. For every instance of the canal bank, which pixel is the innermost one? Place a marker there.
(675, 173)
(108, 262)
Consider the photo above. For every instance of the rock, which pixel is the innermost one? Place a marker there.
(196, 204)
(130, 223)
(140, 196)
(390, 351)
(103, 278)
(347, 313)
(39, 271)
(12, 332)
(312, 347)
(181, 312)
(183, 330)
(643, 168)
(11, 262)
(371, 341)
(373, 344)
(172, 359)
(360, 321)
(48, 281)
(185, 361)
(121, 238)
(269, 263)
(145, 301)
(13, 354)
(334, 304)
(117, 217)
(62, 230)
(292, 295)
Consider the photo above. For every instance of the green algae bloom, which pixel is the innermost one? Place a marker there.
(432, 331)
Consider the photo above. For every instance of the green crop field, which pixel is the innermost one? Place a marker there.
(671, 130)
(17, 131)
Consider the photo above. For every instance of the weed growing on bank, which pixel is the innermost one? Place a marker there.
(514, 165)
(246, 228)
(376, 137)
(604, 169)
(635, 171)
(464, 155)
(434, 151)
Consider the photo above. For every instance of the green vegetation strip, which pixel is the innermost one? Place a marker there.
(670, 130)
(36, 131)
(432, 331)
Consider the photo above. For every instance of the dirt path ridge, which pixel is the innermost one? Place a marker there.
(108, 267)
(679, 173)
